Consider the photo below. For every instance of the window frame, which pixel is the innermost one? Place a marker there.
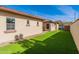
(28, 23)
(37, 23)
(10, 23)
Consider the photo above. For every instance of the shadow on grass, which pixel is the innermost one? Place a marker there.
(60, 43)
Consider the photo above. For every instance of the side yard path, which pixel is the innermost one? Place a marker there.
(51, 42)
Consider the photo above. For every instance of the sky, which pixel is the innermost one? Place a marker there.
(50, 12)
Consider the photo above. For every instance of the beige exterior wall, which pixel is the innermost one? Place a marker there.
(20, 27)
(57, 26)
(52, 26)
(74, 28)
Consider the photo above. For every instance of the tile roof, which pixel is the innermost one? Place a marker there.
(19, 13)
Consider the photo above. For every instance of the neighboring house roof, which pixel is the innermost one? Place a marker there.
(19, 13)
(67, 23)
(50, 21)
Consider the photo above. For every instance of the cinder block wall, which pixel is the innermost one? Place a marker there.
(74, 28)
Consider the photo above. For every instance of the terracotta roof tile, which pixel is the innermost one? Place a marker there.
(19, 13)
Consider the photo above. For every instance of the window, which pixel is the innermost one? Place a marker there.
(37, 23)
(10, 23)
(28, 23)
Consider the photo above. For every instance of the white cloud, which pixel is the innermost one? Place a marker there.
(67, 10)
(69, 13)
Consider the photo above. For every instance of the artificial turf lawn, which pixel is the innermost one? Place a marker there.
(51, 42)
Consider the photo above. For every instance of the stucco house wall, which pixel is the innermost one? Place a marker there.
(20, 26)
(57, 26)
(74, 28)
(52, 26)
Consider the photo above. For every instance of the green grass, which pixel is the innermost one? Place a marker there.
(11, 48)
(50, 42)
